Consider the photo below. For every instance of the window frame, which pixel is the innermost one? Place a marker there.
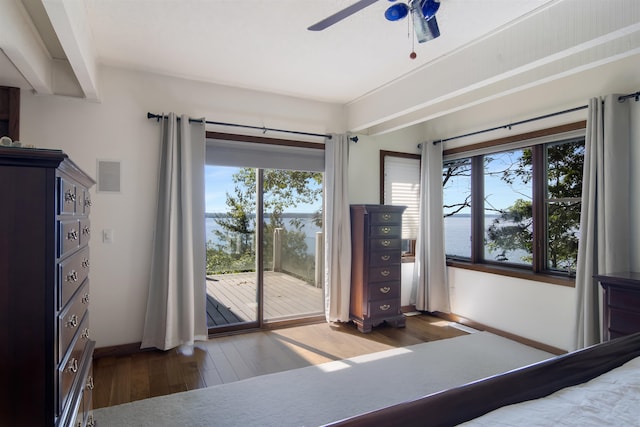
(538, 271)
(410, 254)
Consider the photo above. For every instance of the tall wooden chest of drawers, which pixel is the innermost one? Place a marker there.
(45, 347)
(621, 303)
(376, 233)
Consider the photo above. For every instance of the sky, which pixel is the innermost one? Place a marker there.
(498, 194)
(218, 181)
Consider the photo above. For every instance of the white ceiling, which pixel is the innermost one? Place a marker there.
(258, 44)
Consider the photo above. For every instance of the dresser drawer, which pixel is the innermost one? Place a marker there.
(78, 421)
(85, 231)
(623, 321)
(385, 218)
(384, 274)
(69, 236)
(71, 367)
(384, 258)
(87, 397)
(85, 203)
(383, 230)
(72, 320)
(626, 299)
(66, 196)
(78, 400)
(71, 274)
(390, 243)
(379, 291)
(384, 308)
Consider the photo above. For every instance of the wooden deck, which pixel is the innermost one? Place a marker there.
(231, 298)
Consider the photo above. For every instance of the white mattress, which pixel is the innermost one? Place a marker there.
(612, 399)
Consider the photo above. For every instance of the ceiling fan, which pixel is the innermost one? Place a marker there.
(423, 13)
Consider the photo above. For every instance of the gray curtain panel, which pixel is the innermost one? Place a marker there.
(430, 282)
(605, 244)
(337, 255)
(176, 305)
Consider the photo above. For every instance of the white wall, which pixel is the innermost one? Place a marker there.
(538, 311)
(117, 129)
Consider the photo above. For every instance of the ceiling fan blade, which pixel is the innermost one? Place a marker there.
(339, 16)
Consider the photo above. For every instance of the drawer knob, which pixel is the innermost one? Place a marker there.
(385, 230)
(385, 307)
(72, 276)
(85, 334)
(86, 231)
(385, 289)
(385, 257)
(90, 382)
(72, 322)
(87, 202)
(385, 273)
(72, 235)
(386, 216)
(85, 298)
(85, 263)
(69, 196)
(90, 421)
(385, 242)
(72, 365)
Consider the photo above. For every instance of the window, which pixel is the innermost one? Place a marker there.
(516, 205)
(507, 206)
(456, 182)
(400, 185)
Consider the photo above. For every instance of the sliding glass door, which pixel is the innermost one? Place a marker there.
(264, 246)
(292, 245)
(231, 236)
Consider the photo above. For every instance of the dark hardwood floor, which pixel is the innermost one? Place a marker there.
(121, 379)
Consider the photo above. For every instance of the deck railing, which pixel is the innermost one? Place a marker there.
(309, 269)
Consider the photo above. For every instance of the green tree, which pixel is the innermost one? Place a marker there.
(283, 190)
(513, 230)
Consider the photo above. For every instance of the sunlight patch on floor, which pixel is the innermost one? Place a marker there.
(463, 327)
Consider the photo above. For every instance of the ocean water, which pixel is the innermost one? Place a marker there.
(457, 230)
(457, 235)
(308, 227)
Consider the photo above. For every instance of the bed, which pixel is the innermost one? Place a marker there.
(604, 380)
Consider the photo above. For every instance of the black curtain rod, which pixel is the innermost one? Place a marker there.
(621, 98)
(635, 95)
(510, 125)
(264, 129)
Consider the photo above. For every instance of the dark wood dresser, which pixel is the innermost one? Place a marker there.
(376, 238)
(621, 303)
(45, 349)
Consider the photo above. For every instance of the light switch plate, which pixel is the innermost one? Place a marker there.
(107, 236)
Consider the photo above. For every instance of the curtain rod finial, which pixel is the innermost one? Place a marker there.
(354, 139)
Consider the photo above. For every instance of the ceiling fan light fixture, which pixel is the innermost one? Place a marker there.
(429, 8)
(425, 28)
(396, 12)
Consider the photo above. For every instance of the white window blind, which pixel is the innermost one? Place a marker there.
(402, 188)
(268, 156)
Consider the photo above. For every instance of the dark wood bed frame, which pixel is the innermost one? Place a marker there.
(460, 404)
